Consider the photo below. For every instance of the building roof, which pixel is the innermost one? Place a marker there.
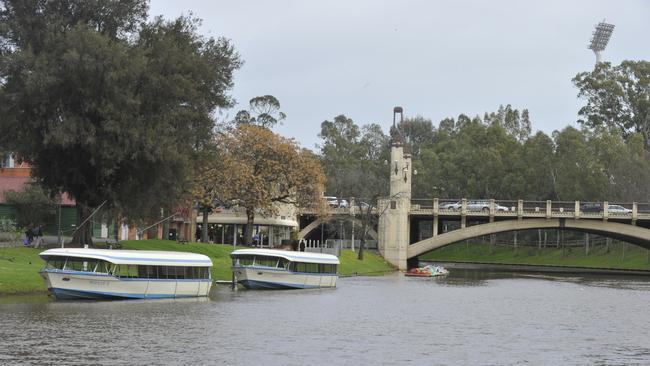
(17, 183)
(303, 257)
(141, 257)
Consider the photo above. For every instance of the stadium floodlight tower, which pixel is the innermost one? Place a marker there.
(600, 39)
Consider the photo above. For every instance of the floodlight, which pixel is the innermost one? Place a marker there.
(600, 38)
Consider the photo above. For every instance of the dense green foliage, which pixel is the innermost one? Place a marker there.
(618, 98)
(354, 162)
(106, 105)
(31, 206)
(483, 159)
(621, 256)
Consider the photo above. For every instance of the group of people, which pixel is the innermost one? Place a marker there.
(33, 236)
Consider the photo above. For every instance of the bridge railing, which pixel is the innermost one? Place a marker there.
(484, 207)
(643, 208)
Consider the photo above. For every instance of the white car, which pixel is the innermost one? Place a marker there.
(618, 209)
(335, 202)
(449, 206)
(484, 206)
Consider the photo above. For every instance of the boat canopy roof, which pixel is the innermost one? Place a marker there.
(303, 257)
(141, 257)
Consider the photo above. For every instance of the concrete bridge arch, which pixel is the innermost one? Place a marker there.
(630, 233)
(316, 223)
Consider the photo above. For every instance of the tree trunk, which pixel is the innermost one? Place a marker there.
(165, 230)
(204, 227)
(248, 230)
(82, 235)
(362, 243)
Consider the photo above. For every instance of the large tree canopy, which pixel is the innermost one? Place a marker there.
(258, 170)
(618, 98)
(106, 106)
(353, 159)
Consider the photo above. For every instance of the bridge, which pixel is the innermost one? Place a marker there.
(401, 237)
(408, 228)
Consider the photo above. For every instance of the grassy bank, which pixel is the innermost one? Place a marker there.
(19, 266)
(624, 256)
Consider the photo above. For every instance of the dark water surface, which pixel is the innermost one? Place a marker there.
(471, 317)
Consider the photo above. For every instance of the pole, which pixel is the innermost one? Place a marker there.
(341, 232)
(353, 235)
(59, 224)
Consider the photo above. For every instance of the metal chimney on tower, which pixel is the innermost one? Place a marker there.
(600, 38)
(397, 138)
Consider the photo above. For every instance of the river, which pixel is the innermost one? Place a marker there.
(471, 317)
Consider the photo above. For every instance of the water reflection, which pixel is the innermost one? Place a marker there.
(467, 317)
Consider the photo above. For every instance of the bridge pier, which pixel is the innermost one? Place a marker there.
(394, 221)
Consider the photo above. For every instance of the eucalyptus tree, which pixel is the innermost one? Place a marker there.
(263, 111)
(105, 105)
(354, 162)
(618, 98)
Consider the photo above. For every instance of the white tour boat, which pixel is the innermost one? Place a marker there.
(74, 273)
(281, 269)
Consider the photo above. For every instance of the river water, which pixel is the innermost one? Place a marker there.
(470, 317)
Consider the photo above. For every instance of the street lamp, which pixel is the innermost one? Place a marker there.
(600, 38)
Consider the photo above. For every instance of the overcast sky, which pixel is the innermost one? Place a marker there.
(436, 59)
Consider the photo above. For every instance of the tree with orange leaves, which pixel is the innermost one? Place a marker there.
(257, 169)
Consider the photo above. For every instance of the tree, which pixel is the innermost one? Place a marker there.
(260, 170)
(263, 111)
(354, 163)
(618, 98)
(579, 175)
(107, 107)
(32, 206)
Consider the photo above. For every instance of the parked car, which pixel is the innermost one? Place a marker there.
(618, 209)
(484, 206)
(336, 202)
(591, 207)
(331, 201)
(449, 206)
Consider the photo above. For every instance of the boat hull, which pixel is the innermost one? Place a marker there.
(275, 279)
(75, 285)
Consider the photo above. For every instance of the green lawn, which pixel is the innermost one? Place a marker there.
(19, 271)
(19, 266)
(372, 264)
(620, 256)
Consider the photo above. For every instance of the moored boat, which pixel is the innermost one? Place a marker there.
(281, 269)
(427, 271)
(74, 273)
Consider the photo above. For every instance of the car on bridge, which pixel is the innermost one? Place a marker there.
(473, 206)
(484, 206)
(618, 209)
(336, 202)
(449, 206)
(598, 207)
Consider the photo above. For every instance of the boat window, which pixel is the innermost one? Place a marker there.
(262, 261)
(124, 270)
(312, 268)
(283, 263)
(55, 263)
(75, 264)
(245, 260)
(104, 267)
(327, 268)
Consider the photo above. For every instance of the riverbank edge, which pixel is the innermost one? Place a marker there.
(506, 267)
(372, 265)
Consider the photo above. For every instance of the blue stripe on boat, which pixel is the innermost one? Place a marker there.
(263, 285)
(65, 294)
